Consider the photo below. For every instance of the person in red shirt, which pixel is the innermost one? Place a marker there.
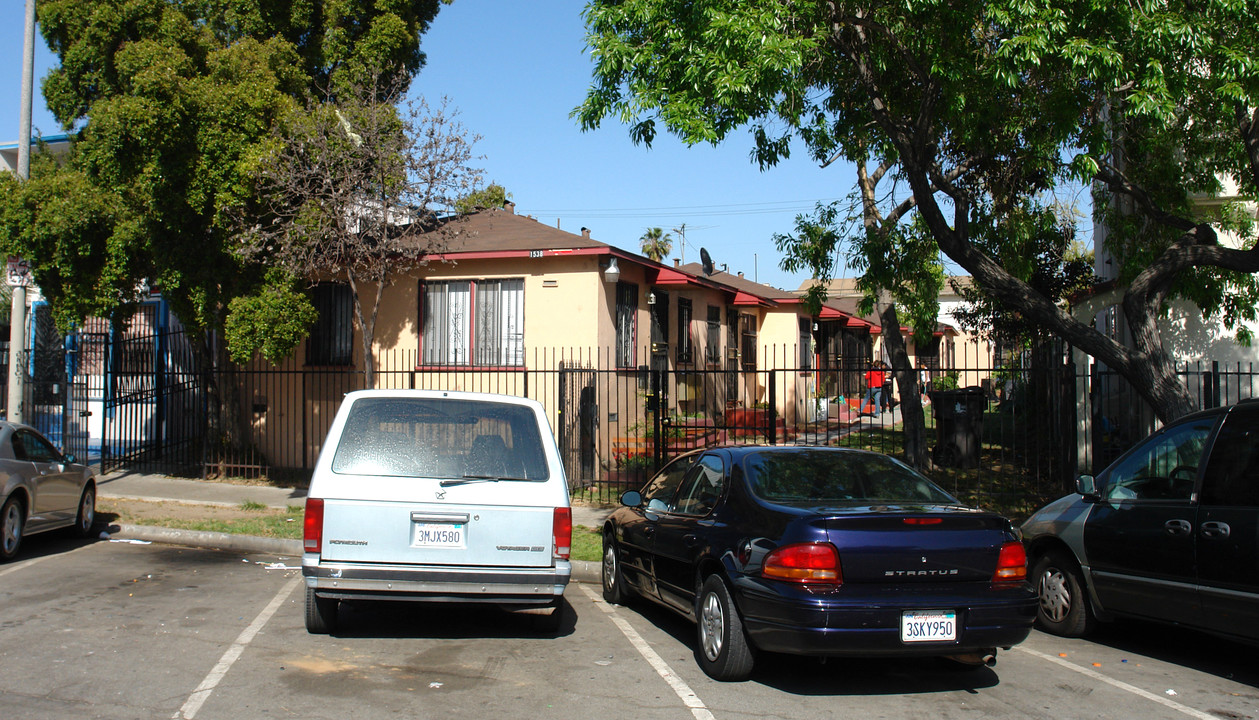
(874, 389)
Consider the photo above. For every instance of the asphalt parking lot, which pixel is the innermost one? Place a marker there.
(129, 630)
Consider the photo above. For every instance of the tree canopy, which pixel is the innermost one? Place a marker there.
(982, 107)
(656, 243)
(350, 190)
(170, 100)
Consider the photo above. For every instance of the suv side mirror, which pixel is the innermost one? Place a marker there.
(632, 498)
(1086, 485)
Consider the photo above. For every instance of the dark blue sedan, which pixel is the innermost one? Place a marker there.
(817, 551)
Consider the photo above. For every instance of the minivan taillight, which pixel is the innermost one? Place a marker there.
(1011, 564)
(804, 563)
(562, 533)
(312, 526)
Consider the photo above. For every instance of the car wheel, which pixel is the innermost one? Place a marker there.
(1063, 608)
(321, 613)
(12, 519)
(724, 652)
(87, 512)
(614, 590)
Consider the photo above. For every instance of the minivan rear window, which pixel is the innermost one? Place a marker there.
(441, 438)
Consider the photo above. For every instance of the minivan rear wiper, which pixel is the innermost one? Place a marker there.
(471, 478)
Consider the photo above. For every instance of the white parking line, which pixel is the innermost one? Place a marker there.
(211, 681)
(684, 692)
(1161, 700)
(22, 565)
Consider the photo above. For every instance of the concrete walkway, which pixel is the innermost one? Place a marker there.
(159, 488)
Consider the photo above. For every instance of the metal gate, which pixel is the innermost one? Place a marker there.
(152, 399)
(578, 422)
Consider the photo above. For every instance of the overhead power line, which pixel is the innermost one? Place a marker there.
(685, 211)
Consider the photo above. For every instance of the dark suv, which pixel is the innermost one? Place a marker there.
(1169, 532)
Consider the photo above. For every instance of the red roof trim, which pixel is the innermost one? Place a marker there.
(667, 276)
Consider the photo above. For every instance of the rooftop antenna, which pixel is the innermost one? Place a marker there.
(706, 260)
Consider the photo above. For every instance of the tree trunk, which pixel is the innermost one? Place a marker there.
(224, 439)
(914, 424)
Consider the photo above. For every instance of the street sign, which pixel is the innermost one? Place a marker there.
(19, 272)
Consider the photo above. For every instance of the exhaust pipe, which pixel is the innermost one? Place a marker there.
(985, 658)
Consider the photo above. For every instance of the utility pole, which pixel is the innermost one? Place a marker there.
(681, 230)
(17, 317)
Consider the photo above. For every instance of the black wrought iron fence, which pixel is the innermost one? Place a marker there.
(1007, 436)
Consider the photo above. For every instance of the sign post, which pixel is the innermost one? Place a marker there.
(19, 278)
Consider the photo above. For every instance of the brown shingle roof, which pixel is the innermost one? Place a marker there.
(503, 230)
(740, 283)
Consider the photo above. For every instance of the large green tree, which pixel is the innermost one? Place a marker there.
(170, 99)
(351, 192)
(981, 107)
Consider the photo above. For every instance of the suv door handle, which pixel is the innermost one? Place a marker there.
(1215, 529)
(1177, 527)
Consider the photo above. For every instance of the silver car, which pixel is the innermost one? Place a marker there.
(42, 489)
(440, 497)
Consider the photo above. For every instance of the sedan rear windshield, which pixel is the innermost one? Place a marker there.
(838, 476)
(441, 438)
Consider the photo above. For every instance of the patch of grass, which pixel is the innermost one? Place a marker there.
(251, 505)
(587, 544)
(263, 521)
(275, 524)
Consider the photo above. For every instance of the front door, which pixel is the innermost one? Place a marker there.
(637, 539)
(54, 485)
(683, 532)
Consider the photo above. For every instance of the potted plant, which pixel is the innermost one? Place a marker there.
(629, 470)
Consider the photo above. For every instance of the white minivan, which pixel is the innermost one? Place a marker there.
(437, 496)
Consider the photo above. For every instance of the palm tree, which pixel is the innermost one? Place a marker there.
(656, 243)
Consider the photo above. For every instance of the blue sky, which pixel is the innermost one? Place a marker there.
(515, 71)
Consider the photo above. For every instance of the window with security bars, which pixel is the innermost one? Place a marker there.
(806, 343)
(331, 340)
(626, 324)
(712, 350)
(747, 332)
(473, 322)
(686, 344)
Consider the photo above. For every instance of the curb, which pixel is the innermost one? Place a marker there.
(205, 539)
(583, 570)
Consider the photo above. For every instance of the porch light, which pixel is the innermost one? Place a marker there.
(613, 273)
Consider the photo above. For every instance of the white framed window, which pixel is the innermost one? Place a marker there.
(473, 322)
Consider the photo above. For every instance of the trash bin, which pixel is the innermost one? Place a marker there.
(959, 418)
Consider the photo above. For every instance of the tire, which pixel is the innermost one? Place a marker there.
(614, 590)
(87, 512)
(1063, 607)
(12, 522)
(723, 650)
(321, 613)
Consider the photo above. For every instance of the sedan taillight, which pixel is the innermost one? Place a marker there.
(312, 526)
(562, 533)
(1011, 564)
(804, 563)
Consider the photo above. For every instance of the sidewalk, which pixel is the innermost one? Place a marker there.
(159, 488)
(126, 485)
